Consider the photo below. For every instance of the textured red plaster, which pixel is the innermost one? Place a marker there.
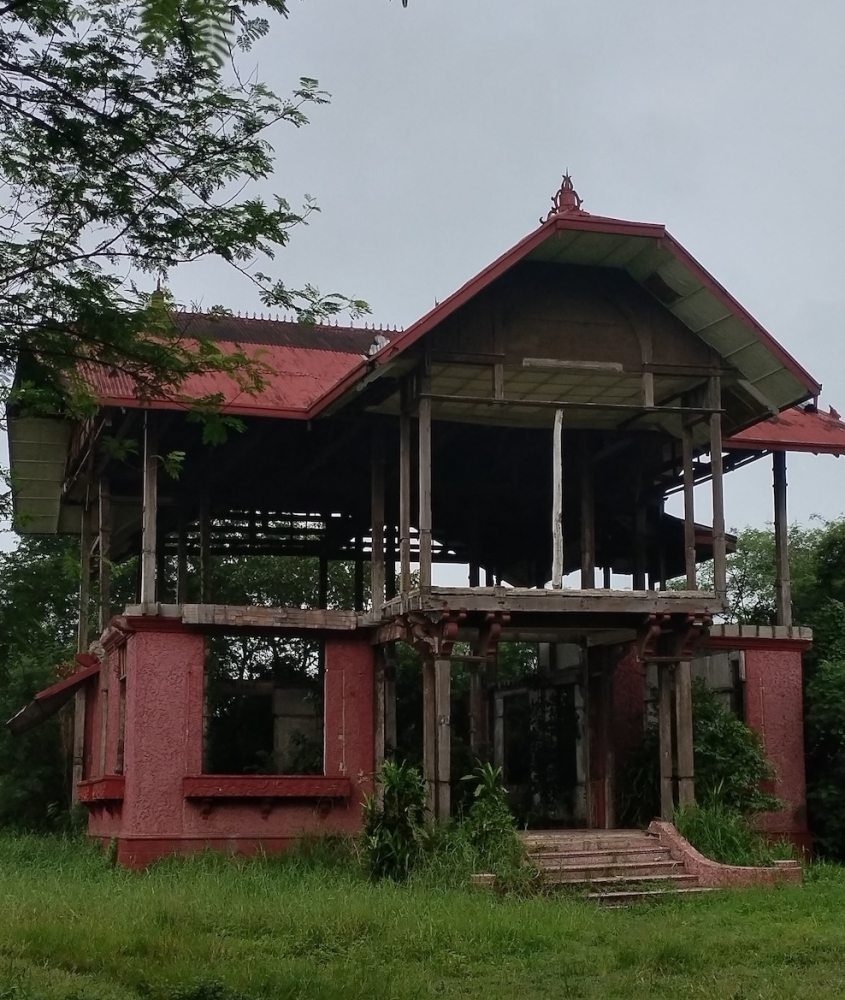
(163, 749)
(774, 708)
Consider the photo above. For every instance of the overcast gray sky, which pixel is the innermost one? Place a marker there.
(452, 121)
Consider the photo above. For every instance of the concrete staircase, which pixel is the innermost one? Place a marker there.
(611, 866)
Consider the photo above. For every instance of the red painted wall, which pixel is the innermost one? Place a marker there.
(774, 708)
(163, 746)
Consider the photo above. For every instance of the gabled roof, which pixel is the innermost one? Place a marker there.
(799, 429)
(657, 262)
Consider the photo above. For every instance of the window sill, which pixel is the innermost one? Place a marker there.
(259, 786)
(109, 788)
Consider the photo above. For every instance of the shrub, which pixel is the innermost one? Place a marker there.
(730, 764)
(825, 719)
(489, 827)
(394, 822)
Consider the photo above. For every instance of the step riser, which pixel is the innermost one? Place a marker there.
(570, 874)
(591, 844)
(628, 884)
(600, 858)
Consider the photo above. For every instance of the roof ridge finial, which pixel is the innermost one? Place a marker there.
(566, 201)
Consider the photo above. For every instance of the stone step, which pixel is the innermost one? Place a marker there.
(623, 898)
(661, 882)
(604, 841)
(585, 873)
(640, 855)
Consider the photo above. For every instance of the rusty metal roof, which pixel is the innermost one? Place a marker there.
(299, 362)
(799, 429)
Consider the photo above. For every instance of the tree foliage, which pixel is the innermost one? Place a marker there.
(124, 154)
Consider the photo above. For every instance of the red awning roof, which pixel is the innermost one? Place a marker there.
(47, 702)
(799, 429)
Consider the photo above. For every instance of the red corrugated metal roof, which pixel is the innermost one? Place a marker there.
(300, 365)
(798, 429)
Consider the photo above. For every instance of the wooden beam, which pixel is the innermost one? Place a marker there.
(254, 617)
(689, 507)
(564, 404)
(425, 492)
(377, 565)
(588, 519)
(664, 720)
(443, 697)
(720, 563)
(683, 723)
(783, 579)
(404, 495)
(557, 501)
(149, 517)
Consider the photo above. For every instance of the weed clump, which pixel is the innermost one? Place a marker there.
(722, 833)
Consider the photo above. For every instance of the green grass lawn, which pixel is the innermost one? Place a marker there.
(216, 929)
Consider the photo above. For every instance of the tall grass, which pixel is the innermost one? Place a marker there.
(309, 926)
(723, 834)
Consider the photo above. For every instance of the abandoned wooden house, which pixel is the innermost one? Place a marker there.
(495, 474)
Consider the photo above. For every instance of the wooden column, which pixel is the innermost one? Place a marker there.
(377, 565)
(640, 550)
(720, 562)
(499, 731)
(182, 562)
(443, 696)
(689, 508)
(783, 579)
(323, 582)
(380, 704)
(205, 548)
(390, 698)
(588, 520)
(664, 718)
(390, 572)
(683, 722)
(78, 748)
(430, 733)
(425, 492)
(477, 714)
(404, 497)
(149, 519)
(104, 553)
(557, 501)
(359, 573)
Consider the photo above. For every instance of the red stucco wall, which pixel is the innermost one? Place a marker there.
(163, 746)
(774, 708)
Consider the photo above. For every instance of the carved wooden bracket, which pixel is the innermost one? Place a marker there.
(433, 636)
(491, 631)
(665, 638)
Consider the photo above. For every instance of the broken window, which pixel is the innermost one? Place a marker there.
(263, 705)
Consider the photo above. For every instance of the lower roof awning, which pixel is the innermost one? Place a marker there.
(46, 703)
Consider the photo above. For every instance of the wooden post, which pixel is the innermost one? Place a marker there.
(425, 492)
(359, 574)
(474, 574)
(104, 553)
(390, 572)
(380, 705)
(377, 566)
(499, 731)
(720, 562)
(323, 582)
(205, 548)
(430, 733)
(390, 698)
(557, 501)
(640, 550)
(783, 579)
(588, 520)
(404, 497)
(476, 709)
(683, 722)
(78, 751)
(149, 519)
(182, 562)
(689, 509)
(443, 696)
(664, 719)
